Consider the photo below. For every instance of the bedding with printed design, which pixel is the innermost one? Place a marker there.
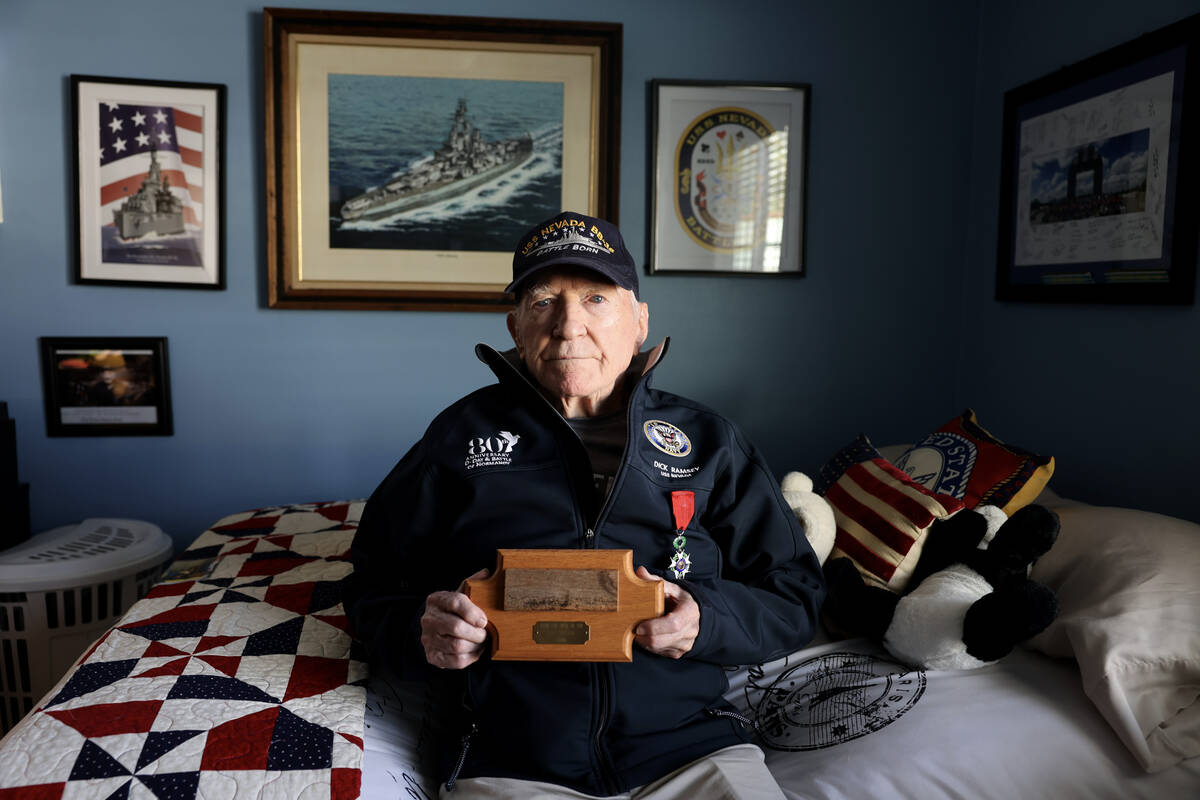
(233, 677)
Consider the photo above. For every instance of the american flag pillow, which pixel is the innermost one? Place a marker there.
(882, 514)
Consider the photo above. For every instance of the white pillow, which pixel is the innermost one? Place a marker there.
(1052, 499)
(1128, 585)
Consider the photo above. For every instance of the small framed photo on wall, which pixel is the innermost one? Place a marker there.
(728, 177)
(106, 386)
(149, 182)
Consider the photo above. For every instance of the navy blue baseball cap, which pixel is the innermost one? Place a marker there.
(576, 240)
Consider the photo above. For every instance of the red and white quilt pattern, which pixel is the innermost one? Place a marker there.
(240, 683)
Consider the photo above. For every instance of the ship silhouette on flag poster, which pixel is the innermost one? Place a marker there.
(148, 178)
(152, 185)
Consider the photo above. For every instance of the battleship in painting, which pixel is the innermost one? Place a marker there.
(463, 162)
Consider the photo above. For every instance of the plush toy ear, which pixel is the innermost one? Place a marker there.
(814, 513)
(995, 517)
(1024, 538)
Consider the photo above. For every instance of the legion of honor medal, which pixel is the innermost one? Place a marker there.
(683, 506)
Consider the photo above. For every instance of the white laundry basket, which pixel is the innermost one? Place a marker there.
(59, 591)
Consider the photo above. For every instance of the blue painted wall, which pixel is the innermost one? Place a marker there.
(275, 406)
(1111, 391)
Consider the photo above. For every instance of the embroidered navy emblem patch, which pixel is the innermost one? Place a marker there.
(667, 438)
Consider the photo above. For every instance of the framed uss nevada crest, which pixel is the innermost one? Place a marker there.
(728, 177)
(406, 154)
(149, 176)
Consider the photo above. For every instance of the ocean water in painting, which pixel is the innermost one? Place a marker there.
(381, 126)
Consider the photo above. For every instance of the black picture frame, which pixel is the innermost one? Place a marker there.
(149, 179)
(1098, 177)
(763, 129)
(106, 386)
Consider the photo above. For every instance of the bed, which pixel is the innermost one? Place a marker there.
(236, 677)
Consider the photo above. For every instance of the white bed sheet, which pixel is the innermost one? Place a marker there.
(396, 740)
(1020, 728)
(843, 721)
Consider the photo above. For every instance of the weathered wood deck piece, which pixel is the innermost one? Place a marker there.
(560, 589)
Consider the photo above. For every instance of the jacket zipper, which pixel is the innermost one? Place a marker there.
(603, 681)
(462, 756)
(589, 533)
(602, 677)
(608, 772)
(720, 713)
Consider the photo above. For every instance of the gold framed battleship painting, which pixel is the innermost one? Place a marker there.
(406, 154)
(149, 182)
(728, 177)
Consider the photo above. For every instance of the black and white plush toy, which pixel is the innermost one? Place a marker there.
(970, 600)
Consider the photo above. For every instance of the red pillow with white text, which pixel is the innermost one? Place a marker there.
(963, 460)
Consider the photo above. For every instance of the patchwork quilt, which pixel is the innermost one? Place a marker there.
(233, 677)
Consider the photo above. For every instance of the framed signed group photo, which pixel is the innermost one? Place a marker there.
(1098, 177)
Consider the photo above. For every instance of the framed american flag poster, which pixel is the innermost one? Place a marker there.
(149, 182)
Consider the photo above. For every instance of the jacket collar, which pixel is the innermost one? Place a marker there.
(509, 367)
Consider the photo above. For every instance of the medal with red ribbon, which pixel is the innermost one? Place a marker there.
(683, 506)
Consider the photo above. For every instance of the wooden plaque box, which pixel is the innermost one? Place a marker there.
(565, 605)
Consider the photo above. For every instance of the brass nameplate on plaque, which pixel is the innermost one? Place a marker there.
(564, 605)
(561, 632)
(560, 589)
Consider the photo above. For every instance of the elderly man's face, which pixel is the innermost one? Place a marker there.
(577, 333)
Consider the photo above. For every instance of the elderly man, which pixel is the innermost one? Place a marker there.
(573, 449)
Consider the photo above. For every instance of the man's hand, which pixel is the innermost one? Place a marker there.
(674, 633)
(452, 628)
